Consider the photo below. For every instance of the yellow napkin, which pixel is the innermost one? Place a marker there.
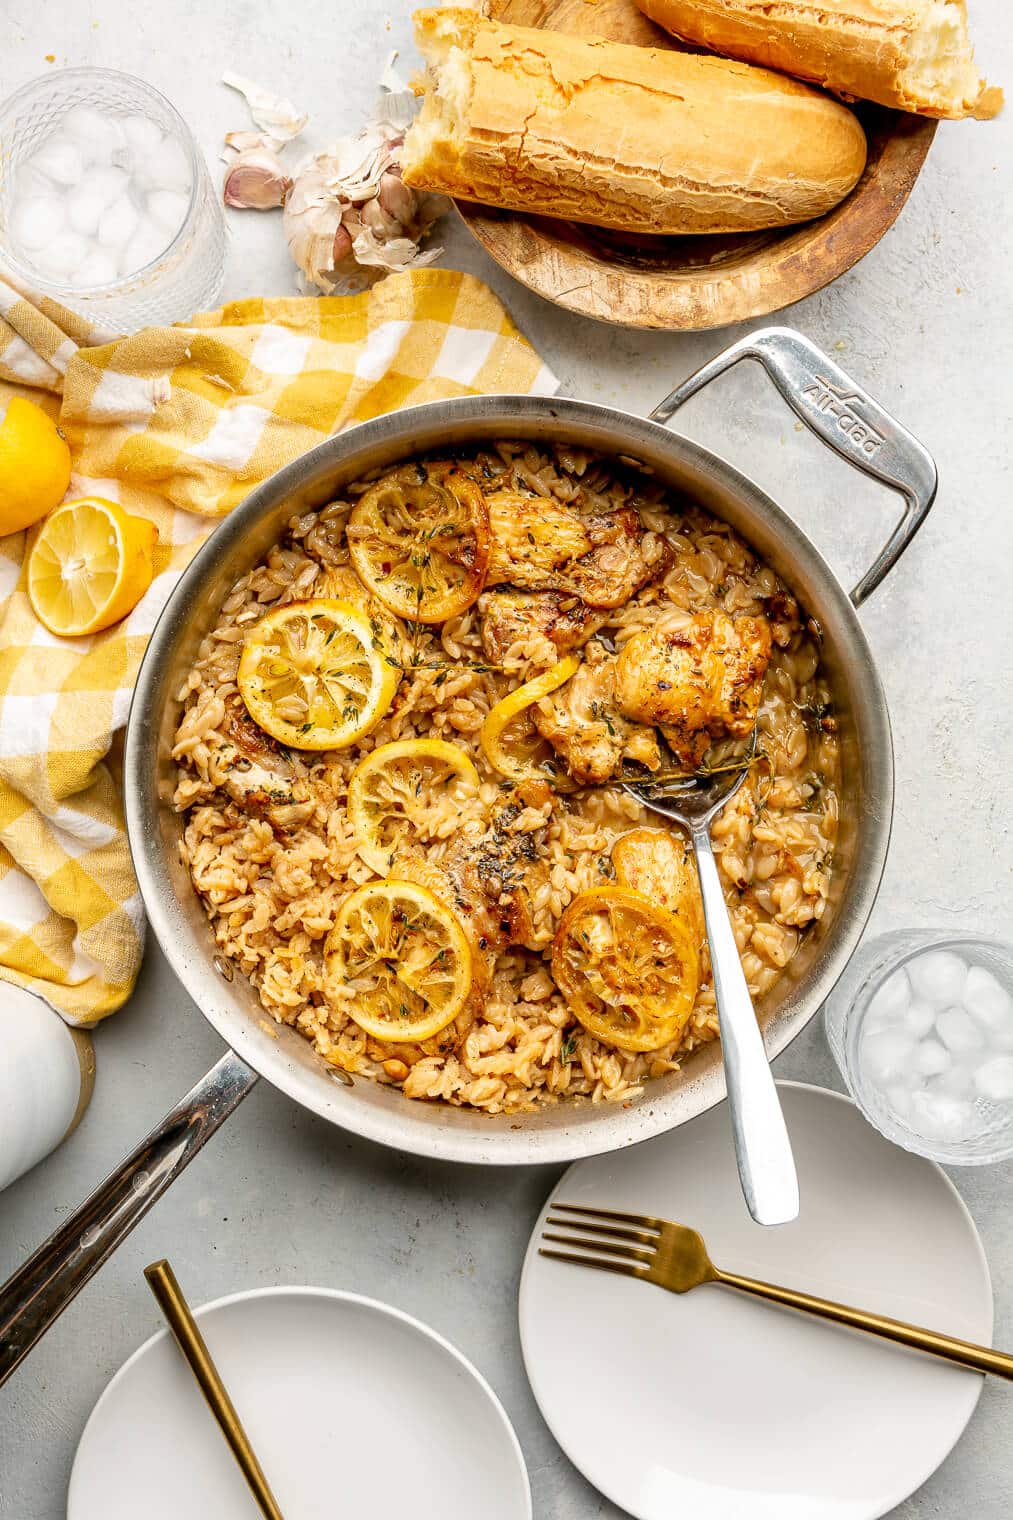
(178, 424)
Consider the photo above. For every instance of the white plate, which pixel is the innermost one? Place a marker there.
(352, 1407)
(716, 1406)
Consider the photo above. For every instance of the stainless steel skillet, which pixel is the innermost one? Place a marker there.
(837, 411)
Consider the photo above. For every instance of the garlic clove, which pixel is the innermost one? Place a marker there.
(256, 181)
(396, 198)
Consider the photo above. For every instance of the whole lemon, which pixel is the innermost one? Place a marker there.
(34, 466)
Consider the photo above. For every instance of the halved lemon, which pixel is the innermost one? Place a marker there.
(400, 791)
(398, 961)
(312, 676)
(511, 743)
(420, 540)
(89, 566)
(628, 969)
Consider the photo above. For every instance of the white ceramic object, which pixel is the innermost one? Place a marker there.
(352, 1407)
(45, 1080)
(719, 1407)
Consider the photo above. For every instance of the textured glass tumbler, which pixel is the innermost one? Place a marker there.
(186, 276)
(989, 1137)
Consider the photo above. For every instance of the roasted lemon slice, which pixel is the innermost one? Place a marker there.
(398, 961)
(400, 792)
(90, 566)
(511, 743)
(627, 968)
(419, 539)
(312, 677)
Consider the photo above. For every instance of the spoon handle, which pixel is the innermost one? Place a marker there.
(762, 1148)
(163, 1284)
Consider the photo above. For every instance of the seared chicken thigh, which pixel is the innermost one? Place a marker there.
(698, 679)
(540, 545)
(581, 722)
(659, 863)
(547, 623)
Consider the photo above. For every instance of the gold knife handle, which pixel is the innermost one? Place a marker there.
(163, 1284)
(948, 1347)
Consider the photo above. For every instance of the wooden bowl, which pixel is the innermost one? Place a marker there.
(688, 283)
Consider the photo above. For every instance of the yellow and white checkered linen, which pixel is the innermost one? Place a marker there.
(178, 424)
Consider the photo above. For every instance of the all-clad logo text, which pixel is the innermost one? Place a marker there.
(843, 405)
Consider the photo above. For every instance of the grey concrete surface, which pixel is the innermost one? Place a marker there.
(926, 322)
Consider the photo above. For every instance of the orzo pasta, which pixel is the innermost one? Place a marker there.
(583, 559)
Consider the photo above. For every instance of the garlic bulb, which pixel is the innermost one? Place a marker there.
(349, 218)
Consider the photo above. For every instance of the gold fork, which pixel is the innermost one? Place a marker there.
(673, 1256)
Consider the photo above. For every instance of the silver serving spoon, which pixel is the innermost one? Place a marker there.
(762, 1148)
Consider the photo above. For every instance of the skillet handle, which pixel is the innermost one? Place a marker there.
(844, 417)
(38, 1292)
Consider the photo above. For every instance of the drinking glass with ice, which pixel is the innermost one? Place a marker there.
(921, 1026)
(105, 200)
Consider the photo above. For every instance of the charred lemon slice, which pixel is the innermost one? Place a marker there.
(312, 676)
(511, 743)
(400, 791)
(419, 540)
(397, 962)
(627, 968)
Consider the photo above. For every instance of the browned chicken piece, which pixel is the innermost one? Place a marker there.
(660, 864)
(699, 680)
(534, 538)
(254, 769)
(549, 623)
(583, 724)
(540, 545)
(624, 558)
(490, 876)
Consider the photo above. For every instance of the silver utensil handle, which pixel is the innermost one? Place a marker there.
(843, 416)
(762, 1148)
(38, 1292)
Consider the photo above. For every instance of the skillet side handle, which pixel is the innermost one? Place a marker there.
(844, 417)
(38, 1292)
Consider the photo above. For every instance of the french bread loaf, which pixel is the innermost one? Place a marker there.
(914, 55)
(642, 139)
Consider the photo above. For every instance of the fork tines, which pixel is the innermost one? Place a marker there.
(623, 1243)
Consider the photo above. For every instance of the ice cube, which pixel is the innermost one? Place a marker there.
(84, 209)
(938, 976)
(118, 223)
(143, 135)
(59, 160)
(60, 258)
(891, 999)
(168, 208)
(37, 220)
(96, 134)
(886, 1054)
(937, 1115)
(167, 167)
(957, 1080)
(991, 1006)
(918, 1019)
(99, 268)
(145, 246)
(994, 1079)
(958, 1031)
(930, 1058)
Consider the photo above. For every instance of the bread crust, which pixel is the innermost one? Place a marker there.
(641, 139)
(863, 49)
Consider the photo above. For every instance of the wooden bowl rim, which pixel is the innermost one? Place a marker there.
(693, 300)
